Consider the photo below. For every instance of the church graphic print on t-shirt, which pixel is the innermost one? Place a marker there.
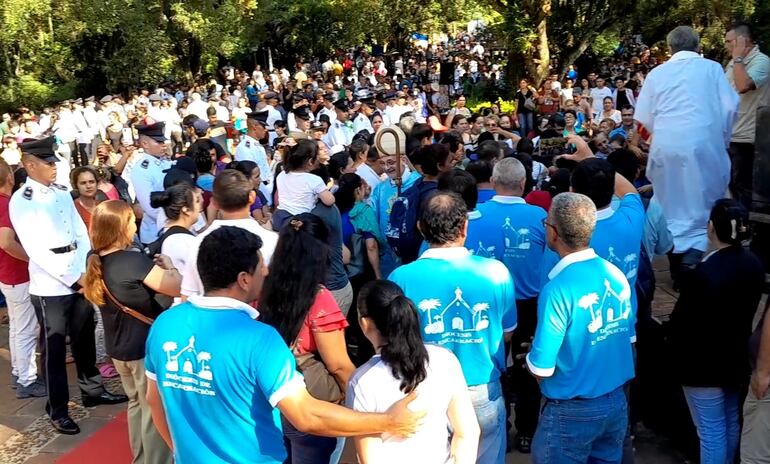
(187, 368)
(457, 319)
(628, 265)
(606, 311)
(515, 239)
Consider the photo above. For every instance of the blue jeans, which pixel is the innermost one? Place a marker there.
(582, 430)
(526, 123)
(714, 412)
(489, 405)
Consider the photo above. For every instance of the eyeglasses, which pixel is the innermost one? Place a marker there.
(546, 223)
(490, 125)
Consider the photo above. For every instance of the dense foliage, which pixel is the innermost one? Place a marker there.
(54, 49)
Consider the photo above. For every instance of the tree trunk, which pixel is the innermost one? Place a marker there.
(538, 66)
(570, 56)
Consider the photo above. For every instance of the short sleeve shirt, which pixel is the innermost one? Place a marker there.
(12, 271)
(299, 191)
(124, 273)
(324, 316)
(220, 374)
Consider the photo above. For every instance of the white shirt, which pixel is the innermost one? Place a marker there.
(198, 108)
(597, 96)
(298, 191)
(147, 177)
(689, 107)
(372, 388)
(46, 218)
(367, 173)
(191, 280)
(338, 137)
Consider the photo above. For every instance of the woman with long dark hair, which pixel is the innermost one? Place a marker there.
(403, 364)
(305, 314)
(710, 329)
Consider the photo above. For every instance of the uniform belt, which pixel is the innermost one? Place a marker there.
(65, 249)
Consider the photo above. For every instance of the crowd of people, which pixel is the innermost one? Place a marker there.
(266, 280)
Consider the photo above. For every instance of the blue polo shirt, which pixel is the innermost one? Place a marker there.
(220, 374)
(465, 304)
(513, 233)
(584, 318)
(617, 238)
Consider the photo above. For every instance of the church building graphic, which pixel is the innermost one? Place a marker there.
(628, 265)
(611, 307)
(193, 362)
(461, 316)
(516, 238)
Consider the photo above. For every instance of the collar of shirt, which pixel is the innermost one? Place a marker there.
(37, 186)
(572, 258)
(684, 55)
(475, 214)
(605, 213)
(508, 200)
(448, 253)
(223, 302)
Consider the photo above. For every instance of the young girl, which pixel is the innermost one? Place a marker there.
(298, 190)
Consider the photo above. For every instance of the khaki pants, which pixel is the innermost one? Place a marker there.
(147, 446)
(755, 440)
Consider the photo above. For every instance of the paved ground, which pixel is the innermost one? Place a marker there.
(27, 437)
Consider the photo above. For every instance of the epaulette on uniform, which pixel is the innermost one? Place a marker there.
(145, 164)
(27, 194)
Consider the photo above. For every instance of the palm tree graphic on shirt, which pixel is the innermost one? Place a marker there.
(613, 306)
(462, 316)
(194, 362)
(628, 264)
(516, 238)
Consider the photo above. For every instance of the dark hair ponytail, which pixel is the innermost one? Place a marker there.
(395, 316)
(730, 220)
(174, 199)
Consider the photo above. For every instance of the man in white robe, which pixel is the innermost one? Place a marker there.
(689, 107)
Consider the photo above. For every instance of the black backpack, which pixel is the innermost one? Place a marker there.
(402, 233)
(154, 248)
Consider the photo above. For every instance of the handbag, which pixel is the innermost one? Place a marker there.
(319, 382)
(131, 312)
(530, 104)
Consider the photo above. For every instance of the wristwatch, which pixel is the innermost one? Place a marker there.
(738, 60)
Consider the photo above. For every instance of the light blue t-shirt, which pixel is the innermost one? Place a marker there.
(382, 198)
(465, 304)
(617, 238)
(581, 346)
(220, 374)
(512, 232)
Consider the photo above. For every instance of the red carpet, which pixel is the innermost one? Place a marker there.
(108, 444)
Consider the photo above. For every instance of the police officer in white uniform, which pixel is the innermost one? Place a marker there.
(341, 130)
(250, 149)
(273, 115)
(56, 241)
(364, 109)
(147, 176)
(303, 118)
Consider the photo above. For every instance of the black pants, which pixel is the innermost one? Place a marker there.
(57, 316)
(680, 263)
(527, 406)
(742, 156)
(304, 448)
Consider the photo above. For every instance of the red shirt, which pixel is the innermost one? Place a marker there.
(539, 198)
(324, 316)
(12, 271)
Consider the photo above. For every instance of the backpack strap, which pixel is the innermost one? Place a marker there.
(131, 312)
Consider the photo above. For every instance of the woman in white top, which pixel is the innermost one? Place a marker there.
(403, 364)
(182, 203)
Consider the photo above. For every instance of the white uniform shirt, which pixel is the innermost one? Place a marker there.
(147, 177)
(191, 280)
(689, 107)
(45, 218)
(250, 149)
(339, 136)
(365, 172)
(361, 122)
(329, 112)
